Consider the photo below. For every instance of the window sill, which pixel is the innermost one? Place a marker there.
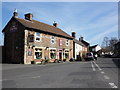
(37, 41)
(38, 59)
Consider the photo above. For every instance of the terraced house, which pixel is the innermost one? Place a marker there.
(80, 47)
(27, 40)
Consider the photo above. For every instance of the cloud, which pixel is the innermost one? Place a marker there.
(103, 34)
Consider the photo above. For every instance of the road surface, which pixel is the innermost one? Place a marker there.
(102, 73)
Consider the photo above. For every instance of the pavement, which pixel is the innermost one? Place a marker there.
(102, 73)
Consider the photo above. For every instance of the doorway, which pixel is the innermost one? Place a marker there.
(60, 55)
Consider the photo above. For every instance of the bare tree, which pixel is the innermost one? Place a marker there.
(105, 42)
(112, 42)
(108, 44)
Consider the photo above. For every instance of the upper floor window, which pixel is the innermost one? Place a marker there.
(52, 40)
(31, 38)
(37, 36)
(67, 42)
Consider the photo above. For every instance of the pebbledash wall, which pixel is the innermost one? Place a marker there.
(60, 48)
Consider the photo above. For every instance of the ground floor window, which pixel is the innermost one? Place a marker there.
(66, 54)
(38, 53)
(52, 54)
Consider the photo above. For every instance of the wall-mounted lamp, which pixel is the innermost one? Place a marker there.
(63, 49)
(47, 48)
(33, 46)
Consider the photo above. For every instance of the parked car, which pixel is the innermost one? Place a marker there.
(89, 56)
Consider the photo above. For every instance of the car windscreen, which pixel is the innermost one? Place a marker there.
(88, 54)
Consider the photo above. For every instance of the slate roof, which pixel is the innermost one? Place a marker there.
(78, 42)
(85, 43)
(94, 46)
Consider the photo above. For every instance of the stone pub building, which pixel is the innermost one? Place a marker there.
(27, 40)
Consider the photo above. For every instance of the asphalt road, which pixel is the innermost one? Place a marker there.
(102, 73)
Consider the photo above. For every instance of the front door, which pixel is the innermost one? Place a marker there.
(60, 55)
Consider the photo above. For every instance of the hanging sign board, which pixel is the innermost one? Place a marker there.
(60, 42)
(29, 52)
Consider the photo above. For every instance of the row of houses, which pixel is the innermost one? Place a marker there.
(27, 40)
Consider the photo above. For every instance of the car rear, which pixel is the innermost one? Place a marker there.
(89, 56)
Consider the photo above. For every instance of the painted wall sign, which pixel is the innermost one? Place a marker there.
(13, 28)
(29, 52)
(60, 42)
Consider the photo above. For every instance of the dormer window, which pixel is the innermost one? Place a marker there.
(52, 40)
(37, 36)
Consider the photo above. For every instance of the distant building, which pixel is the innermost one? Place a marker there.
(95, 48)
(105, 51)
(86, 45)
(27, 40)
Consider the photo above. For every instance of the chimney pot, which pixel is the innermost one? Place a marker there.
(73, 34)
(15, 14)
(29, 16)
(55, 24)
(81, 38)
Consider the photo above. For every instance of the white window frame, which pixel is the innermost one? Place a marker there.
(67, 42)
(37, 36)
(38, 51)
(53, 39)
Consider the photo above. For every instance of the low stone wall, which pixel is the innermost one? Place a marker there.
(2, 54)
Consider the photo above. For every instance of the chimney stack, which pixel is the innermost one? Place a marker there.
(15, 14)
(81, 38)
(29, 16)
(73, 34)
(55, 24)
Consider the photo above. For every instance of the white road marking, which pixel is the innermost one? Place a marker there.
(103, 72)
(97, 65)
(29, 77)
(4, 80)
(106, 77)
(93, 66)
(113, 85)
(36, 77)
